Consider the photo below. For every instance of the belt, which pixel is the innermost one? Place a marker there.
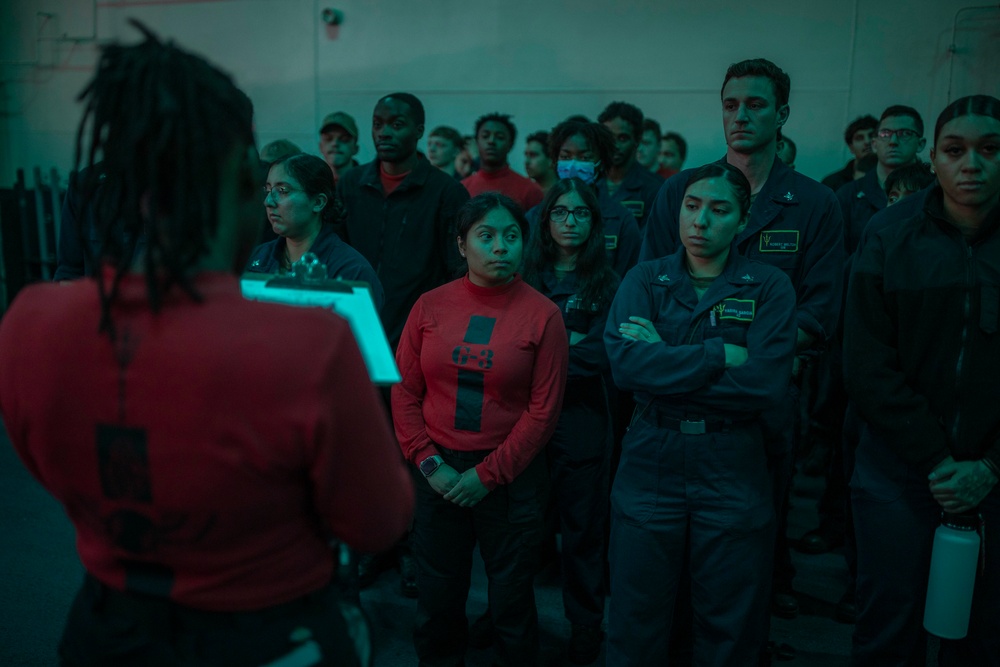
(693, 424)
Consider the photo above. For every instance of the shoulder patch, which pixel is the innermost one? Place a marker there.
(610, 241)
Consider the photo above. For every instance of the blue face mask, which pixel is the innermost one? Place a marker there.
(585, 171)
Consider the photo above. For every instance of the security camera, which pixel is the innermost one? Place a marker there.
(332, 16)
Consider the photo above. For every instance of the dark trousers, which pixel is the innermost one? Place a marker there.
(779, 429)
(579, 454)
(838, 420)
(895, 519)
(827, 426)
(705, 496)
(508, 525)
(108, 628)
(780, 426)
(849, 448)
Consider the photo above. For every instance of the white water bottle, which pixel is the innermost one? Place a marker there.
(954, 561)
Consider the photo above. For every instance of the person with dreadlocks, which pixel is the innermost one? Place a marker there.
(204, 479)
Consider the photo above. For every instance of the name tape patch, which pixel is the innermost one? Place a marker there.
(780, 240)
(740, 310)
(636, 208)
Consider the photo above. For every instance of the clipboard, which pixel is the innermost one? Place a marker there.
(308, 286)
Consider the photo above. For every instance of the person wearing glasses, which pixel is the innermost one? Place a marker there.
(566, 263)
(483, 363)
(705, 337)
(302, 209)
(899, 139)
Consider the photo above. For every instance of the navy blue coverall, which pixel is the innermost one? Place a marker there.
(859, 201)
(636, 192)
(796, 225)
(693, 475)
(579, 453)
(341, 261)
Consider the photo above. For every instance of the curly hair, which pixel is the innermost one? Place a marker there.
(629, 113)
(598, 138)
(503, 119)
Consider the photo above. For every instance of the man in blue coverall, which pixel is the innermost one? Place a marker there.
(626, 181)
(795, 225)
(899, 139)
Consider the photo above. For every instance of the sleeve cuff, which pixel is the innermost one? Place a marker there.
(486, 477)
(991, 462)
(937, 460)
(716, 351)
(811, 326)
(420, 454)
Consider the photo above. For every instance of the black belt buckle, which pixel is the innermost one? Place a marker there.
(689, 427)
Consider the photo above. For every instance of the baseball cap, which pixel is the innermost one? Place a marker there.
(343, 120)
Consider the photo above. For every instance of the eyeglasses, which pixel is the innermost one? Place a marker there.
(580, 214)
(901, 135)
(279, 192)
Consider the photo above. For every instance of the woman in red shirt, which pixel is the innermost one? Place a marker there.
(204, 462)
(483, 361)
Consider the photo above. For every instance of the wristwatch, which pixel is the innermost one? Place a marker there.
(430, 465)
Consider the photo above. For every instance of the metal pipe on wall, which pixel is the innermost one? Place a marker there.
(850, 63)
(118, 4)
(953, 49)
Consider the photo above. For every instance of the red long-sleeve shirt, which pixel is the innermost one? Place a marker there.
(523, 190)
(483, 369)
(211, 453)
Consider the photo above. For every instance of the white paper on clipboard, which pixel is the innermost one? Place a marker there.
(356, 306)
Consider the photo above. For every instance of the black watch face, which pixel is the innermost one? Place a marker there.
(428, 466)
